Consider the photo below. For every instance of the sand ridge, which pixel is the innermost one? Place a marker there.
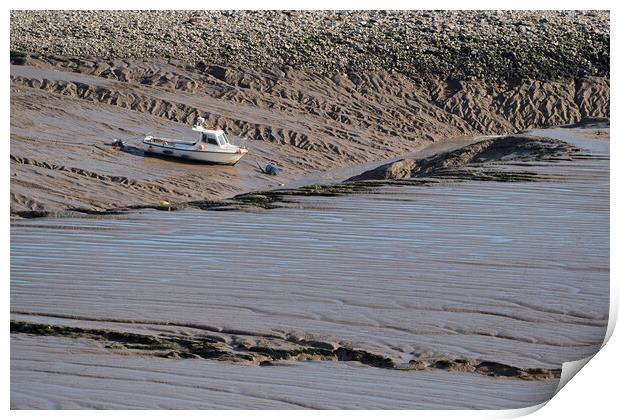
(235, 348)
(482, 157)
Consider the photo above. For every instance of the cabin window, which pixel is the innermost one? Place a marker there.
(222, 139)
(209, 139)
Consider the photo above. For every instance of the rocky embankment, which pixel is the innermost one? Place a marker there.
(310, 91)
(460, 45)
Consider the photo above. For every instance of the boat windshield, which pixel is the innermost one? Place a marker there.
(210, 139)
(223, 139)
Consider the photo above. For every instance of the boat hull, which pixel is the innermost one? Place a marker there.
(205, 156)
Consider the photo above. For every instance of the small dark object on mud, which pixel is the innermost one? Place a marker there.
(121, 144)
(270, 169)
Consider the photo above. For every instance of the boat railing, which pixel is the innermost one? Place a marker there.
(164, 140)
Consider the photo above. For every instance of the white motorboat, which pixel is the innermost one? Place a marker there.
(211, 146)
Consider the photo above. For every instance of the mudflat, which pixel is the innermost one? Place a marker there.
(504, 281)
(426, 233)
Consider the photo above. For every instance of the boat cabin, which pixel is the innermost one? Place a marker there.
(212, 137)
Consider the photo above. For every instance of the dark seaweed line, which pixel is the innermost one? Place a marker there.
(279, 198)
(215, 348)
(269, 199)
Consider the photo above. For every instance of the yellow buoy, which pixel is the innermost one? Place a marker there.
(164, 203)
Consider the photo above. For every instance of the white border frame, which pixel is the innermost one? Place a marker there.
(591, 394)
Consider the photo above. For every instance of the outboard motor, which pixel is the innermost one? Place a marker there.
(121, 144)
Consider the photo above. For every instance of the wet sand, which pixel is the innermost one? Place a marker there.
(64, 110)
(505, 273)
(92, 378)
